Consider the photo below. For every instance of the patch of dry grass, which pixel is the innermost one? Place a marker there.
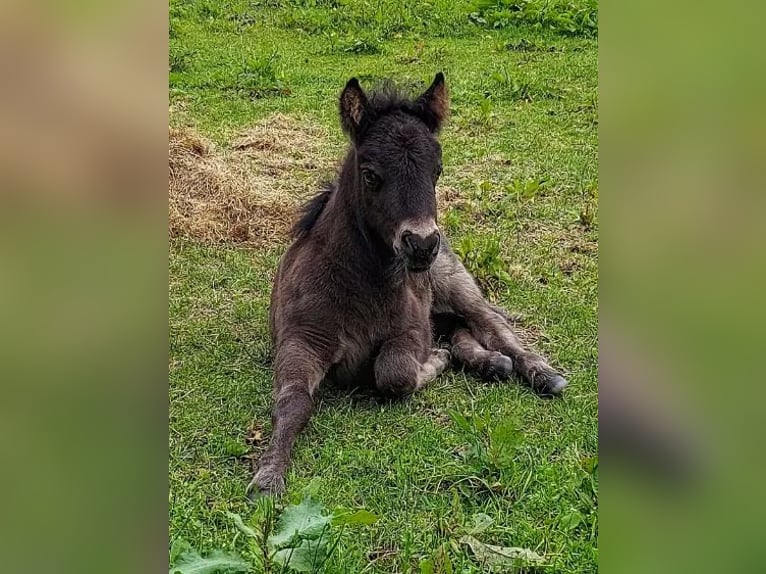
(246, 193)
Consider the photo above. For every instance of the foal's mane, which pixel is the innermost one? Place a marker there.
(310, 212)
(385, 99)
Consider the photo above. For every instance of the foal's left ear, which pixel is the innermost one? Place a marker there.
(433, 105)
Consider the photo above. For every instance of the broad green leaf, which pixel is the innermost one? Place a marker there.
(491, 556)
(306, 556)
(239, 523)
(312, 488)
(217, 563)
(180, 546)
(427, 566)
(481, 522)
(359, 517)
(504, 439)
(571, 519)
(233, 448)
(298, 522)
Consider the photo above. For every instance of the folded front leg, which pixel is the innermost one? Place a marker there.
(399, 370)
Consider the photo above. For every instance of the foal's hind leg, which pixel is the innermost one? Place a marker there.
(298, 372)
(490, 365)
(495, 333)
(455, 289)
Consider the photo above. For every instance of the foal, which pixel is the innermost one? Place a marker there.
(368, 278)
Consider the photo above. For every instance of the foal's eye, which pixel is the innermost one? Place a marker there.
(370, 178)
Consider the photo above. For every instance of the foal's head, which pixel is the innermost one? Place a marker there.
(396, 163)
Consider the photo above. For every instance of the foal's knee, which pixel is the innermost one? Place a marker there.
(396, 376)
(397, 369)
(397, 386)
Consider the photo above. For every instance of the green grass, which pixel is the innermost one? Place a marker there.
(521, 152)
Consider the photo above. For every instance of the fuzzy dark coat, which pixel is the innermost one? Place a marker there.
(369, 278)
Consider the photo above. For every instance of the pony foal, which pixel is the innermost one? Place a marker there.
(369, 278)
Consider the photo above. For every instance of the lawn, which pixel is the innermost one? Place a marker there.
(519, 203)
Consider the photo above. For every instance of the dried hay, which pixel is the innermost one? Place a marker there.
(246, 194)
(447, 197)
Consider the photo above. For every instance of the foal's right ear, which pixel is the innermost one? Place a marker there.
(353, 107)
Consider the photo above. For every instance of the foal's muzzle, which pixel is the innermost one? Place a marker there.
(420, 251)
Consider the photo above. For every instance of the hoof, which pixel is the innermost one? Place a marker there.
(498, 367)
(441, 359)
(266, 482)
(554, 386)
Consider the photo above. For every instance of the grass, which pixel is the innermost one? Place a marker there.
(519, 201)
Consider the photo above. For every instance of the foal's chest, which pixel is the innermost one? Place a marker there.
(408, 304)
(380, 319)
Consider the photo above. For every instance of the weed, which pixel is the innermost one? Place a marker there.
(244, 19)
(303, 539)
(485, 111)
(383, 18)
(527, 190)
(490, 450)
(587, 216)
(362, 46)
(261, 77)
(482, 257)
(507, 85)
(588, 211)
(174, 29)
(525, 45)
(208, 11)
(180, 60)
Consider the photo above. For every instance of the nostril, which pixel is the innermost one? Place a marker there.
(431, 243)
(407, 240)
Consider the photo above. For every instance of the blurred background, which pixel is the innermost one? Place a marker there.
(83, 114)
(681, 286)
(83, 344)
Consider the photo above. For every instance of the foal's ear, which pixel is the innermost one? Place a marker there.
(353, 107)
(433, 105)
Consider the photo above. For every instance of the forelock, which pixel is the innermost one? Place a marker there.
(387, 99)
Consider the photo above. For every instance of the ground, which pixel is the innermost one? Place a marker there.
(254, 130)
